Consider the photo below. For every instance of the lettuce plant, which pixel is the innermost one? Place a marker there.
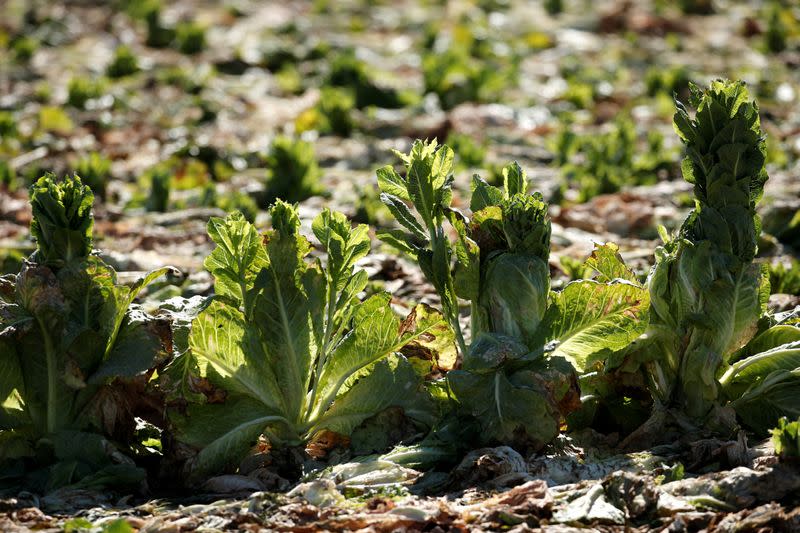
(287, 349)
(786, 438)
(293, 170)
(67, 331)
(707, 294)
(527, 341)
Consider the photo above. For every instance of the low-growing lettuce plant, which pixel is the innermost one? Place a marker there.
(707, 352)
(74, 351)
(286, 350)
(518, 373)
(786, 438)
(293, 173)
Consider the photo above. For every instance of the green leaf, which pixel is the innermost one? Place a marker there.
(403, 215)
(401, 240)
(224, 432)
(135, 351)
(467, 274)
(510, 409)
(608, 264)
(375, 335)
(483, 194)
(344, 244)
(391, 383)
(766, 401)
(377, 332)
(515, 181)
(238, 257)
(755, 368)
(587, 317)
(391, 183)
(222, 340)
(125, 299)
(514, 294)
(786, 438)
(772, 338)
(10, 371)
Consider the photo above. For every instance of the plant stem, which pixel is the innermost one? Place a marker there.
(52, 379)
(439, 242)
(323, 354)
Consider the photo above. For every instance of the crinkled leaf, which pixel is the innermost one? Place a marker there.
(608, 264)
(392, 382)
(403, 215)
(588, 316)
(238, 257)
(62, 219)
(509, 408)
(224, 340)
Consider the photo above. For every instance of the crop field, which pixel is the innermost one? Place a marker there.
(466, 265)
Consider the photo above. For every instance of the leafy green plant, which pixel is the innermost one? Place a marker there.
(95, 171)
(697, 7)
(786, 438)
(123, 64)
(608, 161)
(23, 47)
(158, 35)
(456, 77)
(785, 279)
(289, 343)
(336, 106)
(8, 126)
(667, 80)
(55, 120)
(701, 351)
(72, 350)
(190, 38)
(471, 154)
(160, 182)
(525, 338)
(776, 35)
(332, 114)
(80, 90)
(8, 177)
(554, 7)
(293, 170)
(350, 72)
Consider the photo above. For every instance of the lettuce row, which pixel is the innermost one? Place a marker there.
(518, 376)
(707, 295)
(287, 350)
(75, 352)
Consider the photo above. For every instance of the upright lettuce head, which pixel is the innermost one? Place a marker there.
(707, 295)
(725, 159)
(516, 278)
(62, 219)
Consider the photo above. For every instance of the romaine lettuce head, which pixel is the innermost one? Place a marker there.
(514, 293)
(707, 296)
